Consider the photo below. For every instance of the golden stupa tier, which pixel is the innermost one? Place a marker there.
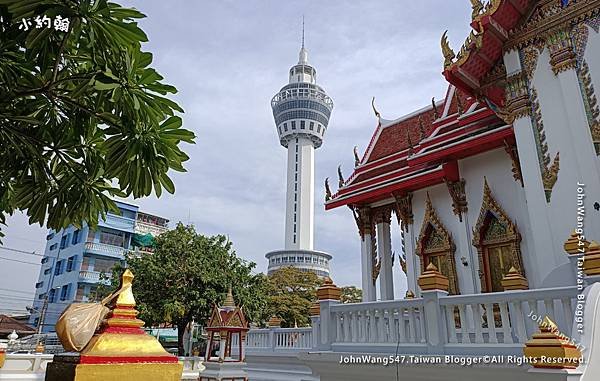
(549, 349)
(119, 350)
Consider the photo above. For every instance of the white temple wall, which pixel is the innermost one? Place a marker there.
(496, 167)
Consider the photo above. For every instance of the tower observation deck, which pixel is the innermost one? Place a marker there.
(301, 110)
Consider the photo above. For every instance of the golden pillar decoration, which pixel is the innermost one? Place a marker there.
(513, 280)
(432, 279)
(550, 344)
(119, 350)
(591, 263)
(329, 291)
(572, 245)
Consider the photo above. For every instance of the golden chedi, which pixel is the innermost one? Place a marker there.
(432, 279)
(574, 246)
(551, 349)
(329, 291)
(591, 263)
(513, 280)
(119, 350)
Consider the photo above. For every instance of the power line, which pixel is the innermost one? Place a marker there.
(13, 290)
(19, 261)
(21, 251)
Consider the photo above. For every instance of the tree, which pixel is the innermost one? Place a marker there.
(291, 294)
(186, 275)
(83, 115)
(351, 294)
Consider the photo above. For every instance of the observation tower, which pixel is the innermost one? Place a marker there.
(301, 110)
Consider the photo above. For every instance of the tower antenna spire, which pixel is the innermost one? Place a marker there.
(302, 31)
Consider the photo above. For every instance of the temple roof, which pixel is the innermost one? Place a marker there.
(421, 149)
(8, 324)
(481, 54)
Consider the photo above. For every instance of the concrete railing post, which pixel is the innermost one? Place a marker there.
(434, 286)
(328, 295)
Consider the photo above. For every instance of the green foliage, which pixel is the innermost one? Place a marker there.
(291, 294)
(351, 294)
(186, 275)
(83, 115)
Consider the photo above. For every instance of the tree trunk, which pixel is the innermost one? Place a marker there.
(180, 332)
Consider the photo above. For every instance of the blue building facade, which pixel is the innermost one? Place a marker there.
(74, 260)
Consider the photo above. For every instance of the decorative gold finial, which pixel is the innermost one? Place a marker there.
(552, 345)
(356, 157)
(513, 280)
(572, 246)
(377, 114)
(477, 7)
(329, 291)
(591, 264)
(435, 111)
(409, 295)
(550, 176)
(125, 297)
(340, 176)
(229, 302)
(421, 129)
(447, 51)
(432, 279)
(327, 190)
(409, 141)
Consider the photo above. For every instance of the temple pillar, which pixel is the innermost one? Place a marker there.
(520, 111)
(366, 254)
(384, 249)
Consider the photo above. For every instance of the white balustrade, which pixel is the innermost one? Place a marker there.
(104, 248)
(486, 320)
(277, 339)
(379, 325)
(25, 367)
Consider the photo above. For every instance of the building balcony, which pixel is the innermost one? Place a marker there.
(92, 277)
(148, 228)
(118, 222)
(104, 249)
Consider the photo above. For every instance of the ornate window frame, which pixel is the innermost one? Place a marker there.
(511, 236)
(445, 246)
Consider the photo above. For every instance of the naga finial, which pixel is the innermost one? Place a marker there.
(356, 157)
(447, 51)
(340, 176)
(377, 114)
(421, 129)
(327, 190)
(435, 111)
(410, 145)
(477, 7)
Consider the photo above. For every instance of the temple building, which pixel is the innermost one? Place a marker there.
(301, 110)
(491, 176)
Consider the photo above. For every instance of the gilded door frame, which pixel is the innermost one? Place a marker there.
(511, 235)
(444, 247)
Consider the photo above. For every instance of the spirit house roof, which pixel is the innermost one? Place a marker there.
(421, 149)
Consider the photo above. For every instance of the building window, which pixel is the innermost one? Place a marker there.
(80, 293)
(86, 263)
(91, 235)
(110, 238)
(302, 125)
(49, 236)
(48, 271)
(42, 296)
(39, 284)
(279, 128)
(285, 127)
(64, 292)
(76, 235)
(104, 265)
(293, 125)
(58, 268)
(64, 241)
(44, 260)
(36, 322)
(53, 247)
(71, 263)
(319, 128)
(312, 126)
(52, 296)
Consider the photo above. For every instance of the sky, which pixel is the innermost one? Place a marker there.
(227, 59)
